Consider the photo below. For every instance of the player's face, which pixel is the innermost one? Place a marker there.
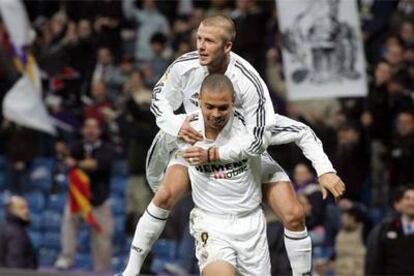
(211, 45)
(216, 108)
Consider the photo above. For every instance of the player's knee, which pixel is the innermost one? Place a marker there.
(294, 219)
(164, 198)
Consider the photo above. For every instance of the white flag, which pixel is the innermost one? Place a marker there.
(322, 49)
(23, 102)
(23, 106)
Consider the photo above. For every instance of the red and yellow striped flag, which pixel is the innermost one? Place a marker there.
(79, 197)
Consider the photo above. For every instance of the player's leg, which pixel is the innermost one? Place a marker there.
(278, 193)
(219, 268)
(175, 186)
(281, 197)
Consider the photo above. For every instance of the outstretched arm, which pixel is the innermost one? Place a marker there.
(283, 131)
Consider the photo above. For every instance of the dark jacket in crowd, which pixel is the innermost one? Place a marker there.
(352, 164)
(99, 178)
(389, 250)
(16, 249)
(377, 103)
(402, 161)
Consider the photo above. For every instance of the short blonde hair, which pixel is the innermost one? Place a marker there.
(224, 22)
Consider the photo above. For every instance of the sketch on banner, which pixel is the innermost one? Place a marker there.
(322, 48)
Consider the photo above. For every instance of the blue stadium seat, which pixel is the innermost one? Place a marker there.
(3, 197)
(37, 239)
(84, 240)
(52, 220)
(47, 257)
(36, 201)
(165, 249)
(158, 264)
(118, 185)
(41, 174)
(118, 205)
(119, 224)
(51, 240)
(118, 263)
(119, 168)
(57, 202)
(83, 260)
(36, 222)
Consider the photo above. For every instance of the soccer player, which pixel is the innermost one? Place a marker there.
(180, 85)
(227, 222)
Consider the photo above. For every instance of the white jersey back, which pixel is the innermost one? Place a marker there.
(233, 187)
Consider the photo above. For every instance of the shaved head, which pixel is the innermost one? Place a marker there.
(217, 83)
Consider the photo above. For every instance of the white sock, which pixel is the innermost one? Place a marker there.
(148, 230)
(299, 250)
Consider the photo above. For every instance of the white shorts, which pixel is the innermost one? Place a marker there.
(238, 240)
(162, 154)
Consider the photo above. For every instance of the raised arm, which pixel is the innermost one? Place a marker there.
(131, 12)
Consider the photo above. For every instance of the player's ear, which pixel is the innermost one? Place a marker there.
(228, 46)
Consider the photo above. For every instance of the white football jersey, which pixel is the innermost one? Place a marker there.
(226, 187)
(181, 84)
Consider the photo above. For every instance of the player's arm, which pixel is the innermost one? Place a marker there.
(287, 130)
(283, 131)
(257, 109)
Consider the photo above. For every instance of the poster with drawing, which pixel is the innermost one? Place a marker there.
(322, 48)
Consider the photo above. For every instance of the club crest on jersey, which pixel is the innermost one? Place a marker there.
(224, 171)
(194, 98)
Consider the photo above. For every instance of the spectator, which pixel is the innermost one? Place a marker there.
(407, 34)
(250, 19)
(377, 111)
(402, 152)
(104, 71)
(156, 66)
(21, 146)
(100, 102)
(92, 155)
(120, 76)
(391, 244)
(149, 21)
(16, 249)
(349, 245)
(352, 160)
(80, 53)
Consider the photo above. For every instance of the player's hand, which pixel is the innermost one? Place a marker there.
(196, 156)
(332, 183)
(189, 134)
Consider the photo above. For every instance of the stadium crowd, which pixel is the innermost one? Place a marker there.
(101, 59)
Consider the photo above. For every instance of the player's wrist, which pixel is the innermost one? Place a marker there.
(213, 154)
